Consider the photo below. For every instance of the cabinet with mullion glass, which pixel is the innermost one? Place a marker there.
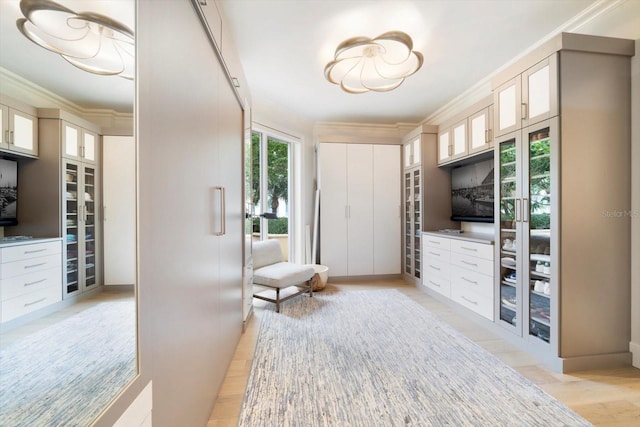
(412, 222)
(80, 228)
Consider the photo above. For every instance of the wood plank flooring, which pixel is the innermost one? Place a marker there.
(605, 397)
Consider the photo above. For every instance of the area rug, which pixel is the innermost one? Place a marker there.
(66, 374)
(377, 358)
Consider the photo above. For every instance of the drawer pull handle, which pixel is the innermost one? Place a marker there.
(35, 265)
(468, 300)
(434, 253)
(435, 243)
(35, 283)
(434, 283)
(469, 263)
(469, 281)
(469, 249)
(34, 251)
(434, 267)
(35, 302)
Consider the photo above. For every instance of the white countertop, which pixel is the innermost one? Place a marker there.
(12, 241)
(468, 236)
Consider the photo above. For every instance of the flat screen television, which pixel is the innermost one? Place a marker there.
(472, 192)
(8, 192)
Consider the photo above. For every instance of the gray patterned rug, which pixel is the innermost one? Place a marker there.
(377, 358)
(66, 374)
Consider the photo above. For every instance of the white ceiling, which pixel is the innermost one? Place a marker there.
(48, 70)
(285, 44)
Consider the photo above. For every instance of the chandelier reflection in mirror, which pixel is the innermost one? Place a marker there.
(92, 42)
(381, 64)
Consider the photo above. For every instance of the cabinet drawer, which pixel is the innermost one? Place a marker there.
(478, 283)
(438, 284)
(20, 252)
(479, 265)
(30, 265)
(471, 300)
(438, 268)
(31, 282)
(437, 254)
(480, 250)
(436, 242)
(16, 307)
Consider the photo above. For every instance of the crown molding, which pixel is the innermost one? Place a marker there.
(361, 133)
(29, 93)
(483, 88)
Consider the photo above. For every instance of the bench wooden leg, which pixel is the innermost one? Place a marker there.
(277, 300)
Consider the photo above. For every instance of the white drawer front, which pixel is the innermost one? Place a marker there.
(480, 250)
(438, 284)
(436, 242)
(478, 283)
(437, 254)
(479, 265)
(478, 303)
(435, 267)
(32, 301)
(26, 266)
(19, 252)
(26, 283)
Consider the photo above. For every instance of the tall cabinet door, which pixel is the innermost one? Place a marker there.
(333, 207)
(386, 208)
(360, 209)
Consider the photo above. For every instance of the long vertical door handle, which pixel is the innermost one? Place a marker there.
(525, 210)
(222, 230)
(518, 206)
(524, 111)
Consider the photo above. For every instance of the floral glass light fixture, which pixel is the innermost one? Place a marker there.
(381, 64)
(90, 41)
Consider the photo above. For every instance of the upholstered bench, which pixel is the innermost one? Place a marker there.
(270, 271)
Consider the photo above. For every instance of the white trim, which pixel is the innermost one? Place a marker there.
(296, 142)
(483, 87)
(27, 92)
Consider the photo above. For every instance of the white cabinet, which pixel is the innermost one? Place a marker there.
(19, 129)
(480, 131)
(466, 134)
(411, 153)
(119, 209)
(527, 98)
(30, 277)
(359, 209)
(452, 142)
(460, 269)
(78, 143)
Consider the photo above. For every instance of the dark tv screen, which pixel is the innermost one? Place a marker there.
(472, 192)
(8, 192)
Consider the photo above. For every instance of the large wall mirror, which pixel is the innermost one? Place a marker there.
(63, 362)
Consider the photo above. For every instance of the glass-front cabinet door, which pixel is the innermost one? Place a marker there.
(508, 167)
(417, 221)
(538, 211)
(71, 206)
(408, 213)
(89, 227)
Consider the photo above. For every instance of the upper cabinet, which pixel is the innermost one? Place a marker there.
(411, 153)
(78, 143)
(468, 133)
(527, 98)
(19, 128)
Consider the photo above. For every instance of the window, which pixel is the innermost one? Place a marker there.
(270, 188)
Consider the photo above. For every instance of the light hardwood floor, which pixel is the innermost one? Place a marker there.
(605, 397)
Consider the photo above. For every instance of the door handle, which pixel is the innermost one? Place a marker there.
(518, 209)
(525, 210)
(223, 212)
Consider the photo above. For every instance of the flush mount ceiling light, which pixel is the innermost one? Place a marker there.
(90, 41)
(381, 64)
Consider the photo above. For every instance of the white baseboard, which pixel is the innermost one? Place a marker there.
(138, 414)
(634, 348)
